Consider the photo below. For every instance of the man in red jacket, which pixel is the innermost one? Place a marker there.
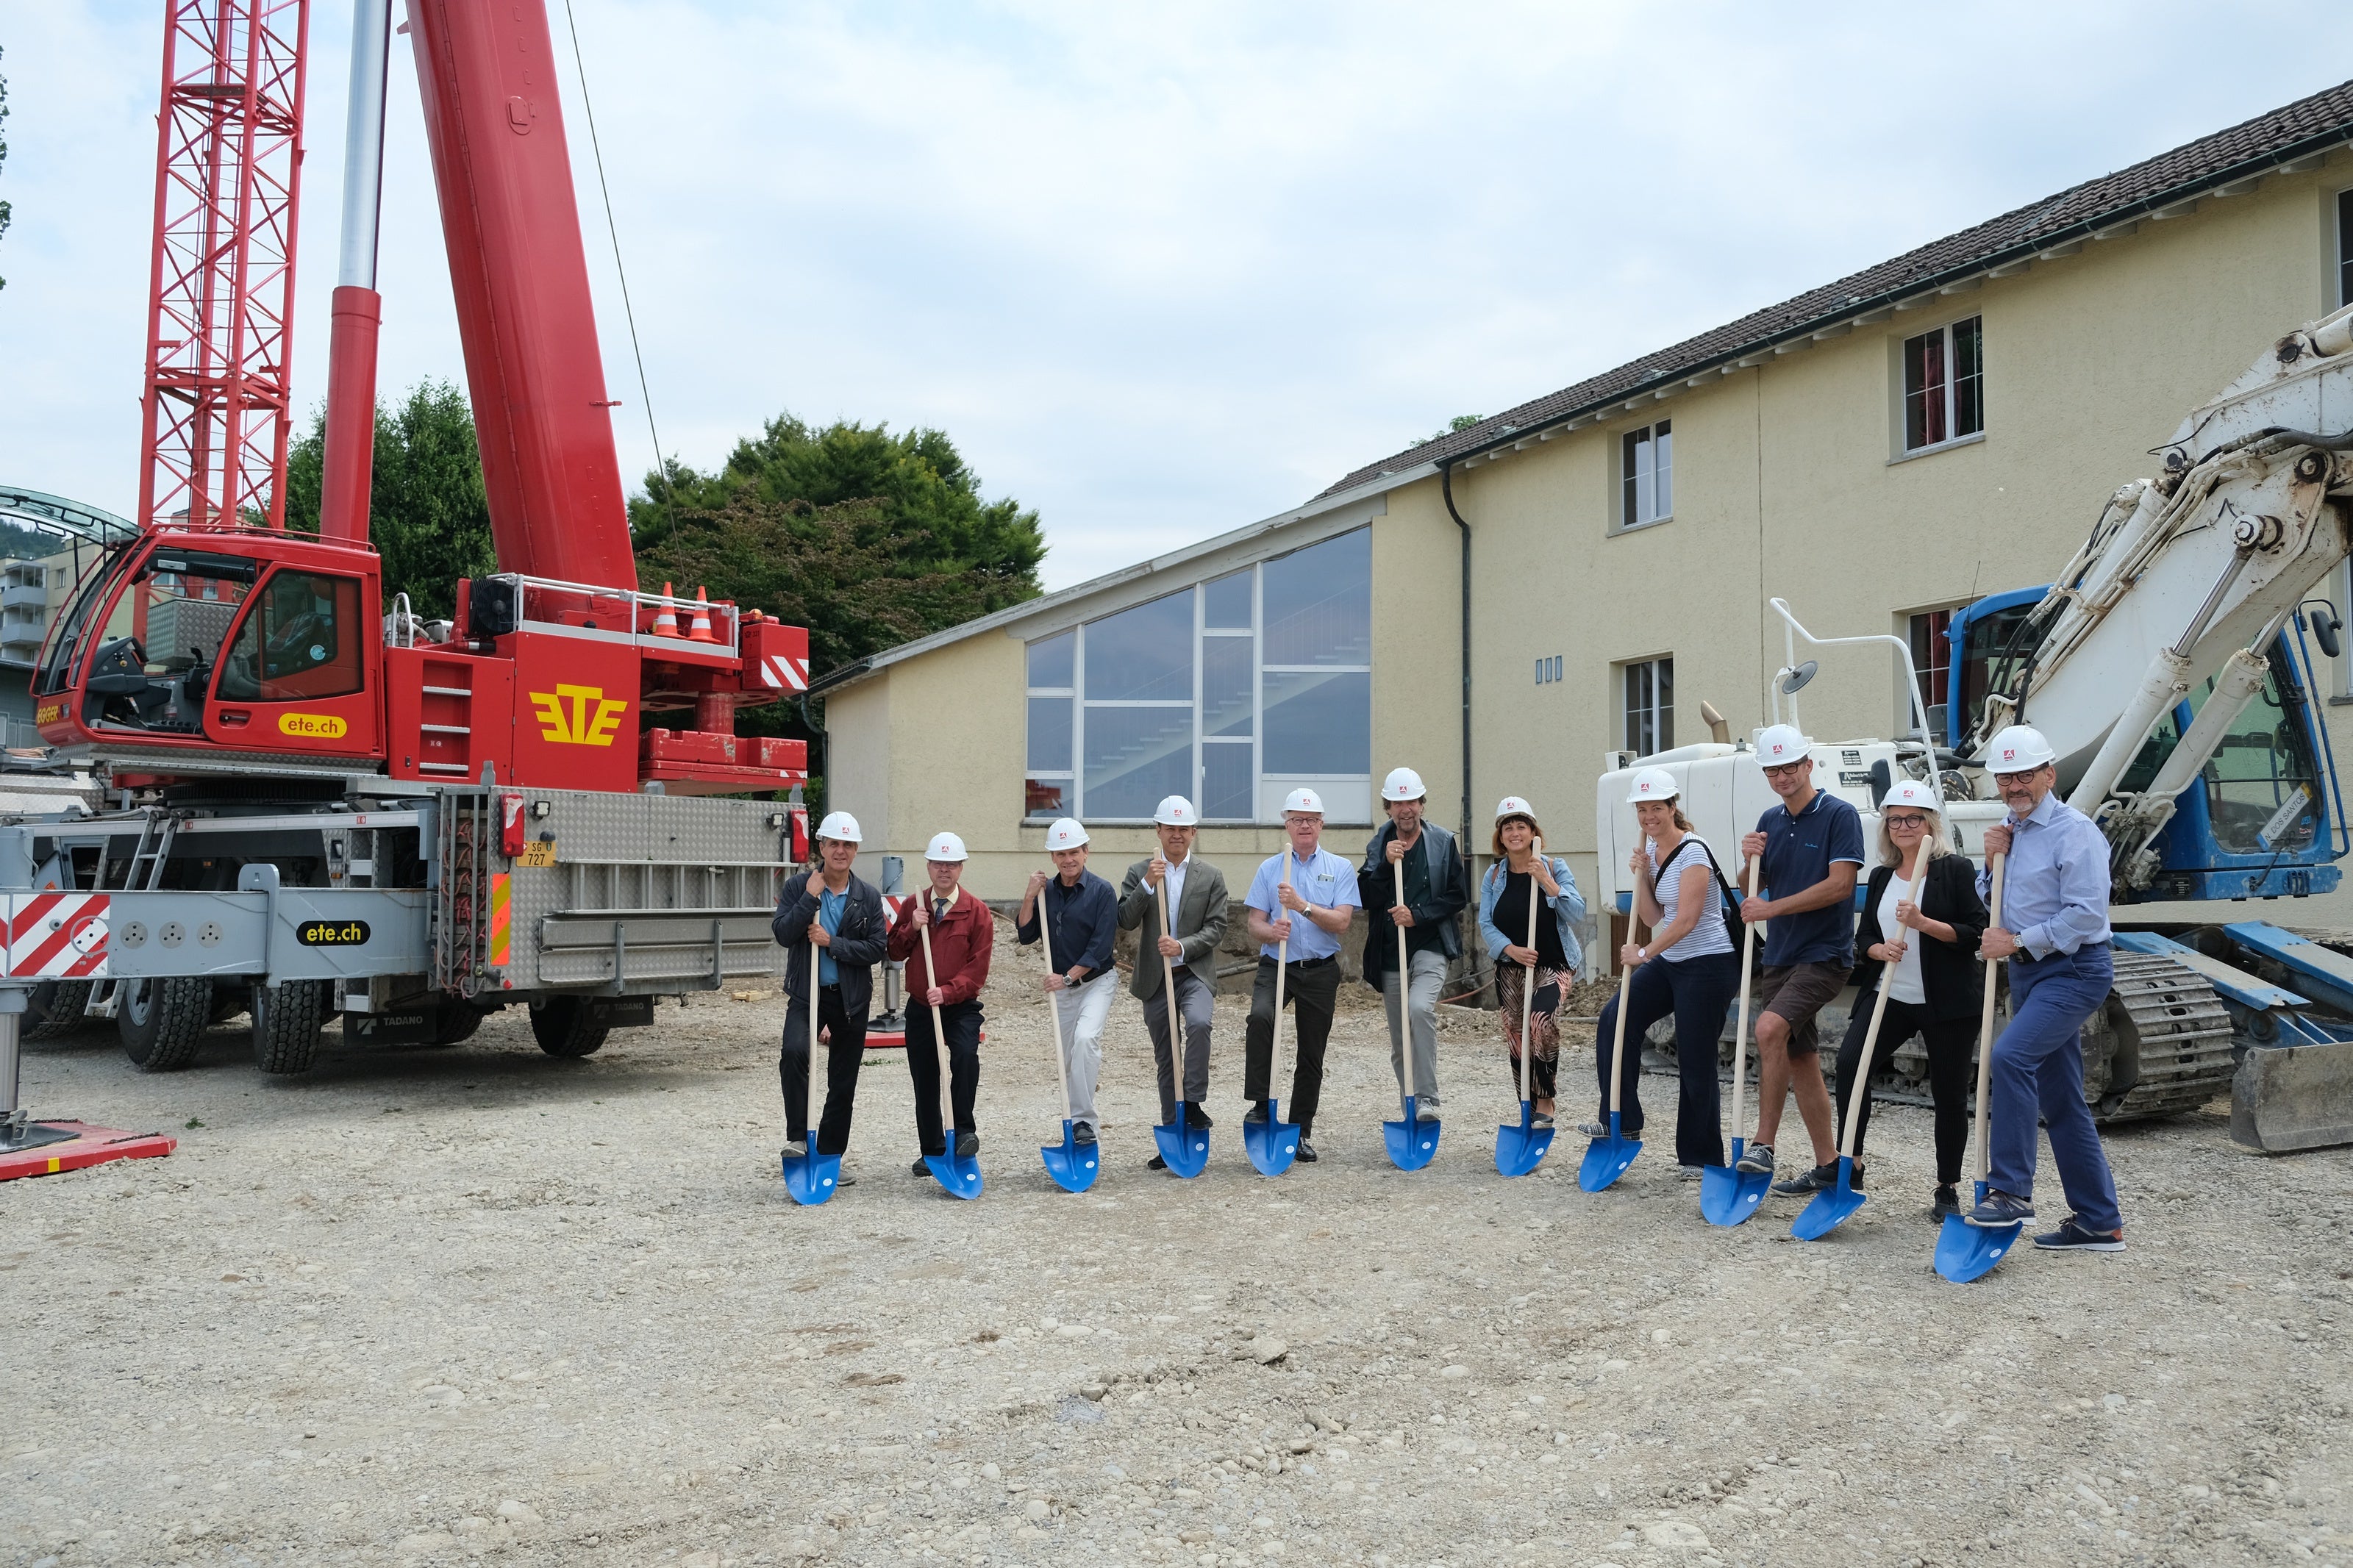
(962, 932)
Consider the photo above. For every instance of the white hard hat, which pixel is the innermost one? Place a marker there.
(1653, 784)
(1065, 835)
(1177, 812)
(1513, 805)
(1914, 794)
(1779, 745)
(1403, 783)
(839, 826)
(944, 847)
(1302, 800)
(2020, 749)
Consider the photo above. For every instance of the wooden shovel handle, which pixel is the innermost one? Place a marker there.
(1861, 1087)
(1997, 864)
(1618, 1051)
(1281, 957)
(1529, 981)
(940, 1040)
(1740, 1030)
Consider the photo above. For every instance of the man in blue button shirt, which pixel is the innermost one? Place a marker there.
(2054, 932)
(1310, 915)
(1811, 845)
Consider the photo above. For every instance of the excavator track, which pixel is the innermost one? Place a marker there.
(2161, 1046)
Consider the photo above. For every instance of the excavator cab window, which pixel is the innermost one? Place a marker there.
(300, 641)
(2261, 785)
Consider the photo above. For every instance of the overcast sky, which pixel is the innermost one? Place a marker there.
(1159, 270)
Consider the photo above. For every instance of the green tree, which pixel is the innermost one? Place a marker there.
(926, 523)
(427, 515)
(5, 212)
(1459, 422)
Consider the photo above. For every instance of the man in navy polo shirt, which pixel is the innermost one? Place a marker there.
(1811, 845)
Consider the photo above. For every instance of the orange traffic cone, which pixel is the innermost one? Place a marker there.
(666, 618)
(700, 630)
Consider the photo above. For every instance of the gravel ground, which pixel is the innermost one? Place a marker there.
(428, 1305)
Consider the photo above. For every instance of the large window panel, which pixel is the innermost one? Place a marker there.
(1318, 604)
(1135, 756)
(1053, 661)
(1226, 675)
(1225, 602)
(1143, 654)
(1226, 782)
(1049, 734)
(1318, 722)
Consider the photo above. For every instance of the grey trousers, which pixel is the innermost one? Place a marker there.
(1194, 1007)
(1084, 1012)
(1429, 979)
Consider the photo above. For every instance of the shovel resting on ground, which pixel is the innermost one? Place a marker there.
(1606, 1159)
(1185, 1147)
(1966, 1251)
(1072, 1164)
(811, 1178)
(959, 1173)
(1520, 1150)
(1728, 1195)
(1828, 1210)
(1412, 1142)
(1272, 1145)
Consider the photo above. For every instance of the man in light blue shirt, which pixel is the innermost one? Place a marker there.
(2055, 931)
(1304, 922)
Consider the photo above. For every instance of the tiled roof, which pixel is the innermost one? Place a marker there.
(2303, 128)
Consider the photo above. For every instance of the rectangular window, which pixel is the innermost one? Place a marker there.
(1648, 699)
(1048, 791)
(2345, 247)
(1548, 670)
(1932, 660)
(1164, 698)
(1944, 385)
(1646, 471)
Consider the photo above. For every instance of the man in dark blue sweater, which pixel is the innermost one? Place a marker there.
(1079, 916)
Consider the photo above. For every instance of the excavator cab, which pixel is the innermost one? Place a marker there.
(233, 639)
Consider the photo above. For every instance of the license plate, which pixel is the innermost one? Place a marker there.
(537, 852)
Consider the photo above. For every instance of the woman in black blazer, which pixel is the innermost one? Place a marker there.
(1939, 988)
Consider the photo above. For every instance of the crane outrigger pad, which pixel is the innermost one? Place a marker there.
(50, 1147)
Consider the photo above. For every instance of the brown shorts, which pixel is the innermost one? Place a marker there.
(1795, 993)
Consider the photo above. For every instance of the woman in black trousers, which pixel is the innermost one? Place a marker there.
(1937, 989)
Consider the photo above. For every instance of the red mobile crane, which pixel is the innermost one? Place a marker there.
(320, 803)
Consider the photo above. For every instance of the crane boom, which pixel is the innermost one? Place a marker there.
(524, 315)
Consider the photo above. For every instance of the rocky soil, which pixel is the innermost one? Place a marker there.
(439, 1306)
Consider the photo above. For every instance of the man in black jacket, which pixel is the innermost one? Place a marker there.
(833, 915)
(1412, 880)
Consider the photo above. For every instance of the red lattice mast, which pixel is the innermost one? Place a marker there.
(221, 293)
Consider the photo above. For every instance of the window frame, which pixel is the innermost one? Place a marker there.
(1945, 332)
(1626, 477)
(1935, 673)
(1074, 779)
(2345, 247)
(1661, 717)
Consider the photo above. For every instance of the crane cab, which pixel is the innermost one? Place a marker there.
(239, 640)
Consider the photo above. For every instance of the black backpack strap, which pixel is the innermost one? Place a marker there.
(1731, 896)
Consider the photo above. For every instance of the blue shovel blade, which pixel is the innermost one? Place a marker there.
(1071, 1164)
(1271, 1144)
(812, 1178)
(1184, 1146)
(1520, 1150)
(1727, 1195)
(1606, 1159)
(1828, 1210)
(960, 1175)
(1966, 1251)
(1413, 1141)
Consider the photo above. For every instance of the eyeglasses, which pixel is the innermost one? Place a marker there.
(1786, 768)
(1907, 820)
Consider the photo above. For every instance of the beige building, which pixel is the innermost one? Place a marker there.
(1940, 427)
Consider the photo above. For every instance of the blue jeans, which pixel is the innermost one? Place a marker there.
(2038, 1066)
(1697, 991)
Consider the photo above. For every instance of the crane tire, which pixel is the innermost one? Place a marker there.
(287, 1018)
(162, 1020)
(55, 1009)
(568, 1027)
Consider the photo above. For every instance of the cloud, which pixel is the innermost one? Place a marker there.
(1159, 270)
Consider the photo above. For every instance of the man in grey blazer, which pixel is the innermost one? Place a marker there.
(1197, 905)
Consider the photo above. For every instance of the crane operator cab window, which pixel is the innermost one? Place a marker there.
(299, 642)
(156, 639)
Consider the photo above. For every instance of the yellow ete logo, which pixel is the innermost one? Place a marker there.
(566, 718)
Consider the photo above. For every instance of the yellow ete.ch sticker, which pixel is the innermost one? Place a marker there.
(313, 726)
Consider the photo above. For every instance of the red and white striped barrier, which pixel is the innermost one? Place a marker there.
(56, 936)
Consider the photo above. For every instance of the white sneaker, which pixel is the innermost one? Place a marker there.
(1425, 1110)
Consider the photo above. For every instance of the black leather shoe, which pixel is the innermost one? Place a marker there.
(1306, 1152)
(1197, 1116)
(1083, 1133)
(1155, 1163)
(1256, 1114)
(967, 1145)
(921, 1169)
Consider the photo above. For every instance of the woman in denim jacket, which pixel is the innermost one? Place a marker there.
(1551, 965)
